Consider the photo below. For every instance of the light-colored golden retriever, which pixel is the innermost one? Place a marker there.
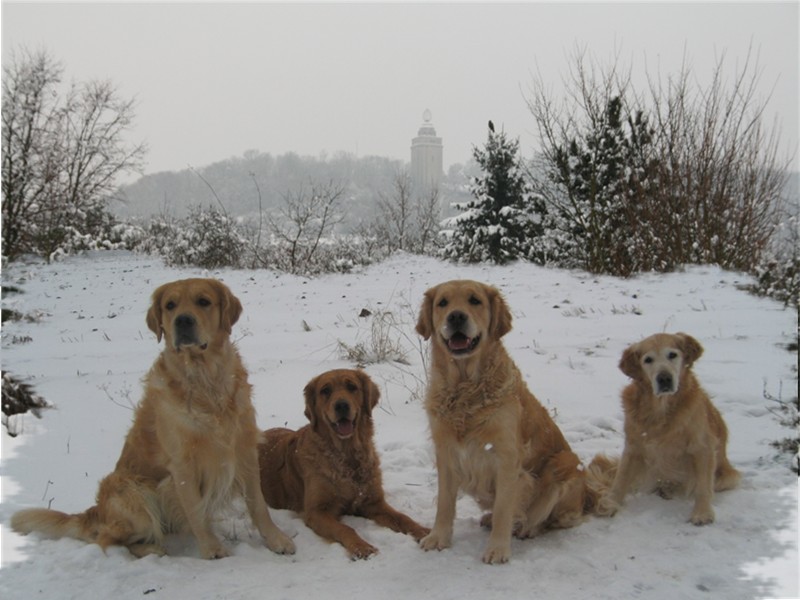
(492, 437)
(193, 442)
(675, 439)
(330, 468)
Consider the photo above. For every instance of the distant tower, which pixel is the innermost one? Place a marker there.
(426, 157)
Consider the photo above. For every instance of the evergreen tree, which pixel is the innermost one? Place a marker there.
(602, 172)
(498, 223)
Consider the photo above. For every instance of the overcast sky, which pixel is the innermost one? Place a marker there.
(215, 80)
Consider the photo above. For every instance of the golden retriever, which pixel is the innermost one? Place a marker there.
(492, 438)
(675, 439)
(193, 442)
(330, 468)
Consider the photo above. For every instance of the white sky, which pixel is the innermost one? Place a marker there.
(214, 80)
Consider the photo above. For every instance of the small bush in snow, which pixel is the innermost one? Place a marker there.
(19, 398)
(778, 272)
(382, 345)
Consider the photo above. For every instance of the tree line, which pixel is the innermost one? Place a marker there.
(625, 180)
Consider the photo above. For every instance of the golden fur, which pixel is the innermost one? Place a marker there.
(330, 468)
(675, 439)
(492, 437)
(192, 445)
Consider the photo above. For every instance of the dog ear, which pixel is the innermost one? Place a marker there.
(629, 363)
(425, 320)
(310, 393)
(691, 348)
(154, 312)
(501, 315)
(370, 391)
(230, 307)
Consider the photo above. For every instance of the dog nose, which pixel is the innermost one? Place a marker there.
(184, 322)
(664, 382)
(342, 408)
(456, 319)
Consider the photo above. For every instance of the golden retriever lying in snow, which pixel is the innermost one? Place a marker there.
(675, 438)
(492, 437)
(193, 440)
(330, 467)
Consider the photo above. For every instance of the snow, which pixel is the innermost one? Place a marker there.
(90, 348)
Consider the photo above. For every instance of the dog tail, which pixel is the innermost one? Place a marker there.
(599, 476)
(55, 524)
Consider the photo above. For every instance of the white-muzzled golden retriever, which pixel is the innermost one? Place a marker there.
(192, 445)
(675, 438)
(330, 467)
(492, 438)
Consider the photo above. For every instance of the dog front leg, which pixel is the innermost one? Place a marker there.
(441, 536)
(704, 467)
(498, 550)
(187, 491)
(275, 539)
(328, 526)
(386, 516)
(630, 466)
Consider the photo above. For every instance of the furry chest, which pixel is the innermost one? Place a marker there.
(476, 464)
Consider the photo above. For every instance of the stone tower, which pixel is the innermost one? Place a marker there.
(426, 157)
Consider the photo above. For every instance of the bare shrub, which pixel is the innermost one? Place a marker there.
(677, 175)
(381, 346)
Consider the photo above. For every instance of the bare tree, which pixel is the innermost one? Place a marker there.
(405, 221)
(396, 213)
(307, 215)
(428, 219)
(30, 146)
(61, 155)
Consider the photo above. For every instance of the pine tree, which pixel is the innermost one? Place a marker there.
(497, 225)
(602, 173)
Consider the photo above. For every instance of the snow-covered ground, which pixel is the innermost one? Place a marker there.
(89, 348)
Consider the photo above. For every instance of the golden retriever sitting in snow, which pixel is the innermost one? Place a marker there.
(330, 468)
(492, 437)
(675, 438)
(193, 442)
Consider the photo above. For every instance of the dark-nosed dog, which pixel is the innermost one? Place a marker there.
(675, 438)
(493, 438)
(192, 445)
(330, 468)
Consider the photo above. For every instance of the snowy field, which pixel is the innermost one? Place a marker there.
(89, 348)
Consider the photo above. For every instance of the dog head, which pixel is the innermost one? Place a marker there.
(661, 360)
(340, 401)
(463, 315)
(193, 313)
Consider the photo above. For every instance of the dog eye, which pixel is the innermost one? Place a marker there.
(169, 305)
(326, 391)
(648, 360)
(204, 302)
(351, 387)
(672, 355)
(442, 303)
(474, 301)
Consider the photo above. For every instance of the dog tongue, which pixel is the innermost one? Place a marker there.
(459, 342)
(344, 427)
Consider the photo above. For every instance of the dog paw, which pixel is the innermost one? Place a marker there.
(702, 517)
(497, 554)
(215, 552)
(420, 532)
(280, 543)
(435, 541)
(142, 550)
(607, 507)
(362, 550)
